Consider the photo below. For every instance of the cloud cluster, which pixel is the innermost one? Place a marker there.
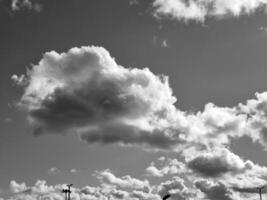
(114, 188)
(200, 10)
(85, 91)
(127, 182)
(188, 186)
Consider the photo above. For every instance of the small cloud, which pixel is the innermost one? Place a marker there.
(74, 171)
(164, 44)
(19, 80)
(7, 120)
(53, 171)
(16, 187)
(263, 28)
(133, 2)
(17, 5)
(156, 41)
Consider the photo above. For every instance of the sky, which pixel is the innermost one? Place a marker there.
(133, 99)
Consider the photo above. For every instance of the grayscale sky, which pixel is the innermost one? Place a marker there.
(104, 125)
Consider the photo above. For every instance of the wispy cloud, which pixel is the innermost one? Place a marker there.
(74, 171)
(133, 2)
(53, 171)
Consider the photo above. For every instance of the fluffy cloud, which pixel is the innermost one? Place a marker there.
(256, 109)
(199, 10)
(126, 187)
(86, 91)
(226, 167)
(17, 187)
(221, 165)
(167, 166)
(214, 191)
(40, 190)
(218, 162)
(107, 177)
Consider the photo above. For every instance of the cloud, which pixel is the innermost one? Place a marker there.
(214, 191)
(108, 191)
(133, 2)
(74, 171)
(177, 188)
(17, 187)
(256, 109)
(17, 5)
(167, 166)
(112, 187)
(164, 44)
(53, 171)
(85, 91)
(7, 120)
(219, 161)
(19, 80)
(107, 177)
(200, 10)
(40, 190)
(263, 28)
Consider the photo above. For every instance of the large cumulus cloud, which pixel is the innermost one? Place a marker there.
(85, 91)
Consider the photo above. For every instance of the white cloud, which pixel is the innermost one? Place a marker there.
(164, 44)
(108, 191)
(220, 162)
(107, 177)
(17, 5)
(85, 91)
(19, 80)
(54, 170)
(166, 166)
(74, 171)
(263, 28)
(200, 10)
(17, 187)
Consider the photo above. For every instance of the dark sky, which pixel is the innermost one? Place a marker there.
(221, 61)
